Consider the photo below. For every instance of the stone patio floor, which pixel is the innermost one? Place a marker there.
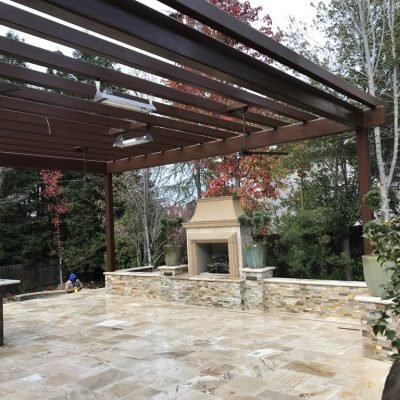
(95, 346)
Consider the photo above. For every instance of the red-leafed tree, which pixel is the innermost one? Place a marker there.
(249, 177)
(57, 208)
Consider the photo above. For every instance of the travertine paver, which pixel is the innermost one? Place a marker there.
(93, 346)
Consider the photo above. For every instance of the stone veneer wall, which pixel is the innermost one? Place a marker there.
(145, 285)
(376, 347)
(203, 292)
(325, 298)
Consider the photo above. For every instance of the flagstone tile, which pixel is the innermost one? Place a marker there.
(152, 350)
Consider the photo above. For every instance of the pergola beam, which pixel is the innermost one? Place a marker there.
(25, 138)
(48, 81)
(61, 62)
(24, 123)
(64, 131)
(286, 134)
(26, 75)
(57, 123)
(37, 131)
(89, 108)
(225, 23)
(143, 27)
(20, 160)
(51, 111)
(22, 135)
(53, 31)
(10, 146)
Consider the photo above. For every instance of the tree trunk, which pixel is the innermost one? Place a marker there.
(346, 250)
(391, 390)
(371, 54)
(58, 249)
(197, 179)
(145, 211)
(301, 193)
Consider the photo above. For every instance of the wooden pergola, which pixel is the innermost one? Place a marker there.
(42, 128)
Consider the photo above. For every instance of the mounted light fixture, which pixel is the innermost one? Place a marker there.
(107, 97)
(135, 127)
(120, 142)
(239, 110)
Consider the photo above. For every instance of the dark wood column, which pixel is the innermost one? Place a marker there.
(364, 177)
(1, 320)
(109, 210)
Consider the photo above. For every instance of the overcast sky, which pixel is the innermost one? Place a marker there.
(279, 12)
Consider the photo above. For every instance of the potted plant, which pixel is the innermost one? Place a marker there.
(256, 249)
(386, 242)
(172, 230)
(377, 266)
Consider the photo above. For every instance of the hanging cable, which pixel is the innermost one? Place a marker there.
(48, 125)
(244, 129)
(84, 162)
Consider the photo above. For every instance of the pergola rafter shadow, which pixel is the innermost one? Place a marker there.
(41, 125)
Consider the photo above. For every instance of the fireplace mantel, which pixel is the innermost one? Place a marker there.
(216, 211)
(214, 221)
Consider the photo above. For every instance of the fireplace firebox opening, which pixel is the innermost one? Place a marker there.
(201, 249)
(212, 258)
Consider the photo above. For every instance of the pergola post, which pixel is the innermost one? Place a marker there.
(109, 214)
(364, 178)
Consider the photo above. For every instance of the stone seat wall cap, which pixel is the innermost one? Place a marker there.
(317, 282)
(372, 299)
(256, 270)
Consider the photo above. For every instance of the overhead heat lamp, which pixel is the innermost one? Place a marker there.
(121, 143)
(135, 127)
(107, 97)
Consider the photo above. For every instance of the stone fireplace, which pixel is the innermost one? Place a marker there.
(215, 232)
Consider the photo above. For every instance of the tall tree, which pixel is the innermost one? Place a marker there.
(250, 176)
(24, 227)
(84, 246)
(365, 34)
(57, 208)
(140, 198)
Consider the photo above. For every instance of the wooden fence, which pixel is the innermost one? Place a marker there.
(31, 277)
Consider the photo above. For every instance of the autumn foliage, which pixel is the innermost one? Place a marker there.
(53, 191)
(249, 177)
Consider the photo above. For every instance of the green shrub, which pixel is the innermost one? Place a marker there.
(172, 229)
(306, 246)
(372, 199)
(258, 224)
